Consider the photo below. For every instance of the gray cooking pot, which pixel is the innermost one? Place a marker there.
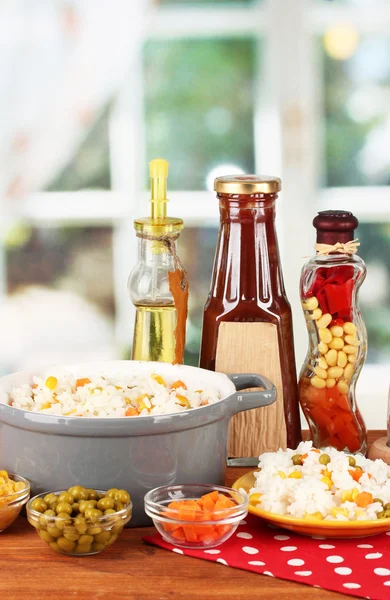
(136, 454)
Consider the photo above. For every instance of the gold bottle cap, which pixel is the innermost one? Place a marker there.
(247, 184)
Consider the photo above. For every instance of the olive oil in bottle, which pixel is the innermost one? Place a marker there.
(154, 333)
(158, 283)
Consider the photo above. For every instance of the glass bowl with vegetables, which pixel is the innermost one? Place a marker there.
(80, 521)
(197, 516)
(14, 493)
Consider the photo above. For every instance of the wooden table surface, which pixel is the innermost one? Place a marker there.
(131, 569)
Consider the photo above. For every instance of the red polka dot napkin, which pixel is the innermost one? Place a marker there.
(358, 567)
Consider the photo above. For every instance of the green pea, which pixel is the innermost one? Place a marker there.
(78, 493)
(103, 537)
(75, 508)
(43, 521)
(109, 511)
(94, 530)
(81, 526)
(387, 506)
(39, 505)
(87, 540)
(352, 461)
(111, 493)
(96, 547)
(380, 514)
(119, 506)
(66, 497)
(71, 533)
(85, 549)
(66, 545)
(55, 547)
(54, 531)
(63, 521)
(63, 507)
(106, 503)
(123, 496)
(93, 514)
(324, 459)
(296, 459)
(50, 513)
(51, 499)
(44, 535)
(92, 494)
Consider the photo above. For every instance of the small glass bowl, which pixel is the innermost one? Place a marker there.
(74, 538)
(12, 504)
(195, 534)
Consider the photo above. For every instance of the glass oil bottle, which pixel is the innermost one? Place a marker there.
(158, 283)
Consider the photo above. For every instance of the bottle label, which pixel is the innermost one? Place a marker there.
(253, 348)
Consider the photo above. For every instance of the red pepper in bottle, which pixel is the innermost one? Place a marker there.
(337, 336)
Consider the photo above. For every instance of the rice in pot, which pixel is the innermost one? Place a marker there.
(109, 397)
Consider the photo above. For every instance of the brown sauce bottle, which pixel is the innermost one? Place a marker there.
(247, 324)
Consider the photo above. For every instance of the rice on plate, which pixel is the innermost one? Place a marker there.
(328, 485)
(137, 395)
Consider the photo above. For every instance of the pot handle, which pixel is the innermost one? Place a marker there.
(241, 401)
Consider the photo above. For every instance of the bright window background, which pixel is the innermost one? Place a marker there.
(220, 85)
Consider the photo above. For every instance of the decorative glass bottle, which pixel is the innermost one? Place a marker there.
(337, 335)
(158, 283)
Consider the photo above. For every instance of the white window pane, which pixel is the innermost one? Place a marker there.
(375, 291)
(357, 108)
(199, 106)
(89, 168)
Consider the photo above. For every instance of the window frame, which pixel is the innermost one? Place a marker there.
(287, 113)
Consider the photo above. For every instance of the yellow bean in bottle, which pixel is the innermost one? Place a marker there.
(342, 359)
(322, 363)
(320, 372)
(337, 331)
(324, 321)
(331, 358)
(324, 335)
(349, 328)
(318, 383)
(323, 348)
(348, 371)
(352, 340)
(335, 372)
(310, 303)
(336, 343)
(348, 349)
(330, 382)
(343, 387)
(316, 314)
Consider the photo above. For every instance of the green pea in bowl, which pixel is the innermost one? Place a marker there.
(80, 521)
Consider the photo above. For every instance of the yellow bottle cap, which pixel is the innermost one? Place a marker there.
(158, 169)
(158, 222)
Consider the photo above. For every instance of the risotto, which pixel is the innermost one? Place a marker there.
(322, 485)
(109, 397)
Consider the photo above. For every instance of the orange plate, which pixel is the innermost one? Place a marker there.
(326, 529)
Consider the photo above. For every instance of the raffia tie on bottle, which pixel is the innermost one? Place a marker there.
(168, 240)
(350, 247)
